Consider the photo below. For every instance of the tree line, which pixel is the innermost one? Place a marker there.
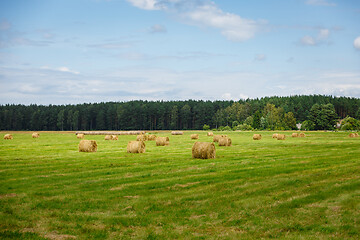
(273, 113)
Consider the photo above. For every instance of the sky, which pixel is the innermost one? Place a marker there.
(87, 51)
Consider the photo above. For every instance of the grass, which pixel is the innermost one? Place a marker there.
(300, 188)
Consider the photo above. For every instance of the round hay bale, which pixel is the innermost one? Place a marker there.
(210, 134)
(8, 136)
(257, 137)
(108, 137)
(177, 133)
(295, 135)
(141, 137)
(87, 146)
(217, 137)
(281, 137)
(114, 137)
(35, 135)
(80, 135)
(194, 136)
(356, 134)
(162, 141)
(151, 137)
(203, 150)
(136, 147)
(275, 135)
(225, 141)
(302, 134)
(352, 135)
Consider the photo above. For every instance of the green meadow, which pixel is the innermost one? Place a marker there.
(300, 188)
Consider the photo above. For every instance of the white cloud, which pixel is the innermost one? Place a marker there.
(158, 28)
(323, 34)
(322, 37)
(308, 40)
(205, 14)
(260, 57)
(145, 4)
(357, 43)
(60, 69)
(320, 3)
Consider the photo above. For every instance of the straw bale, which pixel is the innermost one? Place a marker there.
(162, 141)
(225, 141)
(194, 136)
(203, 150)
(87, 146)
(210, 134)
(295, 135)
(281, 137)
(356, 134)
(275, 135)
(136, 147)
(151, 137)
(141, 137)
(302, 134)
(108, 137)
(257, 136)
(177, 133)
(352, 135)
(217, 137)
(80, 135)
(114, 137)
(35, 135)
(8, 136)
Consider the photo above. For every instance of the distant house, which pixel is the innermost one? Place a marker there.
(338, 124)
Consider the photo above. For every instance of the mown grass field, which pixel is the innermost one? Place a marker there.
(300, 188)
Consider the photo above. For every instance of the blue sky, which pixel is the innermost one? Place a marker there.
(76, 51)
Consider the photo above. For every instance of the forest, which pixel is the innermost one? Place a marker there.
(314, 112)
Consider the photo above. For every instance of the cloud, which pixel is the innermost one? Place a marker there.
(145, 4)
(60, 69)
(111, 45)
(322, 37)
(357, 43)
(204, 13)
(158, 28)
(260, 57)
(320, 3)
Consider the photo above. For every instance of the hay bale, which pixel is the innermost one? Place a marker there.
(194, 136)
(352, 135)
(87, 146)
(177, 133)
(301, 134)
(80, 135)
(217, 137)
(141, 137)
(151, 137)
(35, 135)
(210, 134)
(275, 135)
(162, 141)
(108, 137)
(295, 135)
(356, 134)
(114, 137)
(203, 150)
(225, 141)
(8, 136)
(257, 136)
(281, 137)
(136, 147)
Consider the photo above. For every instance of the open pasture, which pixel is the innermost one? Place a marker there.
(298, 188)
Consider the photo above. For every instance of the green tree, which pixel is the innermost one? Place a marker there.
(60, 119)
(289, 121)
(350, 123)
(322, 116)
(174, 117)
(256, 120)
